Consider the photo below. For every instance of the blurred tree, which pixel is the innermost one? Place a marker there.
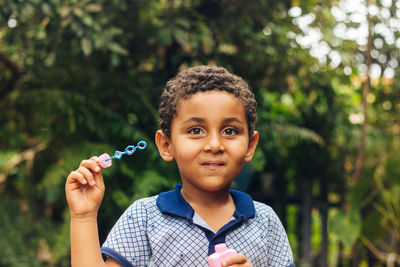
(363, 42)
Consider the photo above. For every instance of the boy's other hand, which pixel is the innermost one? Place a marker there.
(238, 260)
(84, 189)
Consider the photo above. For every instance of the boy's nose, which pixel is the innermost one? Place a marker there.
(214, 144)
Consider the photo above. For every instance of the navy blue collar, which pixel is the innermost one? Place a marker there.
(173, 203)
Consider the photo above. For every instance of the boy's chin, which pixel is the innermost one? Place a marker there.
(214, 187)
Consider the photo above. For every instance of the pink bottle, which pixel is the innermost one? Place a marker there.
(221, 254)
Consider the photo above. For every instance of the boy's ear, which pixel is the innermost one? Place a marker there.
(163, 143)
(252, 147)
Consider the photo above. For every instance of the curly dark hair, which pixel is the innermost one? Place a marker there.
(201, 79)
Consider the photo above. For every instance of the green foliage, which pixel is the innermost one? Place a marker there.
(393, 169)
(387, 204)
(290, 133)
(346, 226)
(60, 243)
(14, 235)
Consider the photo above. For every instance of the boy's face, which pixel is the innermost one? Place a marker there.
(209, 140)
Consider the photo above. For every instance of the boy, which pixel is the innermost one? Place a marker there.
(207, 121)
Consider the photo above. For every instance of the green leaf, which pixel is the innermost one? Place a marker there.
(86, 46)
(115, 47)
(94, 8)
(87, 20)
(64, 11)
(164, 36)
(181, 37)
(47, 9)
(78, 11)
(346, 226)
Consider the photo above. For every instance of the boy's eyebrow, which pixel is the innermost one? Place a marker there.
(233, 119)
(227, 120)
(195, 119)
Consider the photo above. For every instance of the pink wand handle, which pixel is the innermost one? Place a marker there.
(220, 255)
(104, 161)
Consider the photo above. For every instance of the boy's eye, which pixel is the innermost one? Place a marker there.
(230, 131)
(195, 131)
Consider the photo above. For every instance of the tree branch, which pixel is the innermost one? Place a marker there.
(28, 154)
(390, 258)
(367, 88)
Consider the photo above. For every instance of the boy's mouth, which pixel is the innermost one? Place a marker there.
(213, 164)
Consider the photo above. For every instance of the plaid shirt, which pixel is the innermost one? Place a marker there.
(164, 230)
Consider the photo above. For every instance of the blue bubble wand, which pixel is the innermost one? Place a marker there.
(105, 160)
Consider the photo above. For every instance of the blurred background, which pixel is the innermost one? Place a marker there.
(80, 78)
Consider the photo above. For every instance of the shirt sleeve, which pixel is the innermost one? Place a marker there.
(127, 241)
(279, 251)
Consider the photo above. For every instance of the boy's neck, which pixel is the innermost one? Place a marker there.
(207, 205)
(199, 198)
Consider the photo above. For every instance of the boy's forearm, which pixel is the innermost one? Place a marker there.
(85, 245)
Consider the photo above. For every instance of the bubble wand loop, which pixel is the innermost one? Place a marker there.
(105, 160)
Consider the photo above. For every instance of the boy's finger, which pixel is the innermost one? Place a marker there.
(87, 174)
(95, 158)
(98, 178)
(75, 176)
(91, 165)
(236, 259)
(97, 175)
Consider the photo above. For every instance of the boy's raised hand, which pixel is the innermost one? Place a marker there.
(238, 260)
(84, 189)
